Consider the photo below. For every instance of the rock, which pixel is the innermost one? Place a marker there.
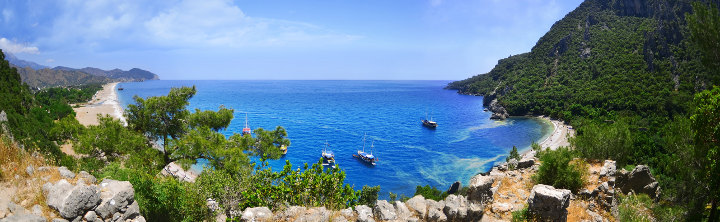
(512, 164)
(37, 210)
(435, 214)
(525, 162)
(3, 116)
(418, 205)
(475, 212)
(548, 203)
(595, 217)
(315, 214)
(212, 205)
(347, 212)
(585, 194)
(499, 112)
(65, 173)
(384, 210)
(608, 169)
(115, 196)
(501, 207)
(455, 207)
(257, 214)
(85, 177)
(480, 189)
(24, 218)
(402, 211)
(289, 213)
(454, 188)
(91, 216)
(59, 220)
(29, 170)
(71, 201)
(16, 209)
(364, 213)
(132, 211)
(175, 170)
(640, 180)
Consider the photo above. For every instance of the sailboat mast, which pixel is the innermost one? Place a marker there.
(364, 142)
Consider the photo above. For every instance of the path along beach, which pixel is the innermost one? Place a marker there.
(559, 136)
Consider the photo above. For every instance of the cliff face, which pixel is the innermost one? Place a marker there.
(614, 55)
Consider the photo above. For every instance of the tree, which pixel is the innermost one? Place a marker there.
(110, 139)
(215, 120)
(513, 154)
(704, 25)
(706, 123)
(161, 117)
(269, 142)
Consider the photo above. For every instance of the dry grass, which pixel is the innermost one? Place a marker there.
(16, 184)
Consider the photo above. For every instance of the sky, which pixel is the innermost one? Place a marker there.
(279, 39)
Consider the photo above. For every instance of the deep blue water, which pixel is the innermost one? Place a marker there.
(465, 143)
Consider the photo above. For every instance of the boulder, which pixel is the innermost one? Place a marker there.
(454, 188)
(548, 203)
(347, 212)
(384, 210)
(402, 211)
(85, 177)
(24, 218)
(608, 169)
(418, 205)
(175, 170)
(132, 211)
(455, 207)
(315, 214)
(91, 216)
(525, 162)
(480, 189)
(639, 180)
(36, 210)
(116, 196)
(257, 214)
(71, 201)
(475, 212)
(434, 214)
(289, 213)
(364, 213)
(65, 173)
(501, 207)
(499, 112)
(59, 220)
(512, 164)
(29, 170)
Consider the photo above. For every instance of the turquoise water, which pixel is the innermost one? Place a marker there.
(465, 143)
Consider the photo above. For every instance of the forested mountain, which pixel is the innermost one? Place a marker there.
(38, 76)
(626, 56)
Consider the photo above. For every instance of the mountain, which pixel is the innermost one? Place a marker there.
(607, 56)
(133, 74)
(39, 76)
(22, 63)
(42, 78)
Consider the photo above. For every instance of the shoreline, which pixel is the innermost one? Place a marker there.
(104, 102)
(559, 135)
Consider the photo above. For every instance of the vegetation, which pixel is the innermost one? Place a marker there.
(430, 193)
(513, 155)
(521, 215)
(625, 76)
(559, 170)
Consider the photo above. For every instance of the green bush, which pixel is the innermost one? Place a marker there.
(513, 155)
(430, 192)
(557, 171)
(368, 195)
(521, 215)
(635, 208)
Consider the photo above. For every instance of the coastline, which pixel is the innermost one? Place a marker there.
(559, 135)
(104, 102)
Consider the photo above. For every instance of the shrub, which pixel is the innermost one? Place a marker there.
(635, 208)
(430, 192)
(521, 215)
(368, 195)
(557, 171)
(513, 154)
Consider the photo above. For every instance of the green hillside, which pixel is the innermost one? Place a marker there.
(604, 56)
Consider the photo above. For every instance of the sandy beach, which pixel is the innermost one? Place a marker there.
(559, 137)
(103, 102)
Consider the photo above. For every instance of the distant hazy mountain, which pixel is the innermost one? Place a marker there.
(39, 76)
(22, 63)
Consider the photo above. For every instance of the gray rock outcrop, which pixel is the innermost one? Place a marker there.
(456, 208)
(480, 189)
(116, 197)
(65, 173)
(257, 214)
(175, 170)
(364, 213)
(499, 112)
(549, 204)
(454, 188)
(639, 180)
(418, 205)
(71, 201)
(384, 210)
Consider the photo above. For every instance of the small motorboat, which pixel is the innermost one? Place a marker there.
(328, 156)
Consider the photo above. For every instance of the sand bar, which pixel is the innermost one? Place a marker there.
(104, 102)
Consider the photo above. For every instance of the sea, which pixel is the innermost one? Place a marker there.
(339, 113)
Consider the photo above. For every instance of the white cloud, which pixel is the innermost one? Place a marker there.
(115, 24)
(16, 48)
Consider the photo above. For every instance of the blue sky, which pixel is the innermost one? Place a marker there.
(279, 39)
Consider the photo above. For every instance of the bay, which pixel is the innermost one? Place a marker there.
(465, 143)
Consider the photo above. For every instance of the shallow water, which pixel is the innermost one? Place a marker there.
(465, 143)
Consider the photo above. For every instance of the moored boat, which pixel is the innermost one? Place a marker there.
(283, 149)
(367, 157)
(328, 156)
(246, 130)
(429, 123)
